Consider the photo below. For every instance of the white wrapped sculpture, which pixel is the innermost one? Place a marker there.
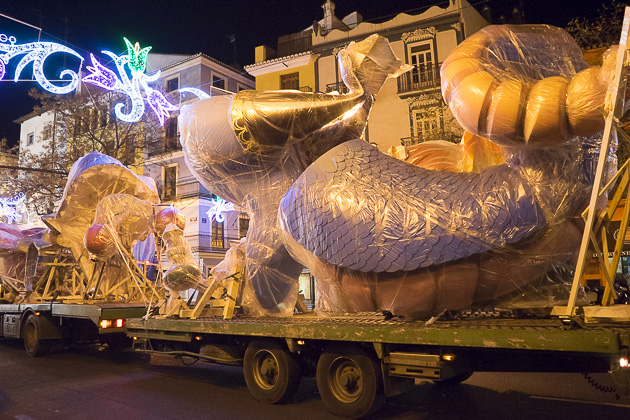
(378, 233)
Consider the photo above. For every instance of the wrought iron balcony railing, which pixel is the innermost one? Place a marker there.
(418, 80)
(206, 243)
(337, 87)
(163, 146)
(191, 188)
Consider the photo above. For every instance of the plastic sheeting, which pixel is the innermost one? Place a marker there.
(471, 155)
(525, 84)
(184, 273)
(106, 209)
(380, 234)
(249, 149)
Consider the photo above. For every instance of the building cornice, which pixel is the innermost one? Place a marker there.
(281, 63)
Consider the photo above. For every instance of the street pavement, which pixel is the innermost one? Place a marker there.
(93, 383)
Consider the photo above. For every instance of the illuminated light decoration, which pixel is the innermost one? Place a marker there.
(8, 207)
(160, 105)
(137, 88)
(218, 207)
(200, 93)
(37, 52)
(137, 56)
(101, 76)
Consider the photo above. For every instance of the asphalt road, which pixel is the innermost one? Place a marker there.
(92, 383)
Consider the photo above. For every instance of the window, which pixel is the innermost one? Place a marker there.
(171, 128)
(170, 183)
(30, 139)
(218, 82)
(46, 133)
(421, 58)
(243, 225)
(217, 234)
(290, 81)
(172, 84)
(426, 124)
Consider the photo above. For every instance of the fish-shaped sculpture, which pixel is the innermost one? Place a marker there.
(380, 234)
(249, 148)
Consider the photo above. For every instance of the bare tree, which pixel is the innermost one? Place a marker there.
(601, 31)
(80, 124)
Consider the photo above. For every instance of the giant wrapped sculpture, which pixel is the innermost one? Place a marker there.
(88, 252)
(378, 233)
(249, 149)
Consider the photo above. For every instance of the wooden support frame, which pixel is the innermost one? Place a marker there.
(591, 228)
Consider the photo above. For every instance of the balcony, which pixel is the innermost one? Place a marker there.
(191, 188)
(163, 146)
(205, 243)
(417, 80)
(337, 87)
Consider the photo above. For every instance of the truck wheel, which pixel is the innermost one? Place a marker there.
(271, 372)
(33, 343)
(349, 381)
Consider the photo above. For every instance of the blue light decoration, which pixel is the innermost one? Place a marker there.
(37, 52)
(218, 207)
(136, 88)
(200, 93)
(133, 63)
(8, 207)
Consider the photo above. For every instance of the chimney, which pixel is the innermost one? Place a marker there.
(329, 14)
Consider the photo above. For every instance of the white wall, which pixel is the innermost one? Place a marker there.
(36, 126)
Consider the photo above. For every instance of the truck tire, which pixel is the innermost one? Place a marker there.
(32, 333)
(272, 374)
(349, 381)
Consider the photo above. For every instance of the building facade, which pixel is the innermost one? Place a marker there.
(164, 161)
(409, 109)
(156, 153)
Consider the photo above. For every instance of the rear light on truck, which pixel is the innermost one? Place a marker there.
(623, 362)
(112, 323)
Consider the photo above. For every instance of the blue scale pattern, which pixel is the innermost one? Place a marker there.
(359, 208)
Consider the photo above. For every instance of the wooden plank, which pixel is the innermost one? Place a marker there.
(601, 164)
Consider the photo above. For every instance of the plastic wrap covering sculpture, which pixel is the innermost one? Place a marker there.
(14, 245)
(92, 178)
(184, 273)
(471, 155)
(378, 233)
(119, 221)
(524, 84)
(233, 263)
(249, 148)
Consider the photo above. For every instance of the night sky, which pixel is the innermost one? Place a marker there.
(192, 26)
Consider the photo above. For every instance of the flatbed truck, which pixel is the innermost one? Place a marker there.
(360, 359)
(41, 325)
